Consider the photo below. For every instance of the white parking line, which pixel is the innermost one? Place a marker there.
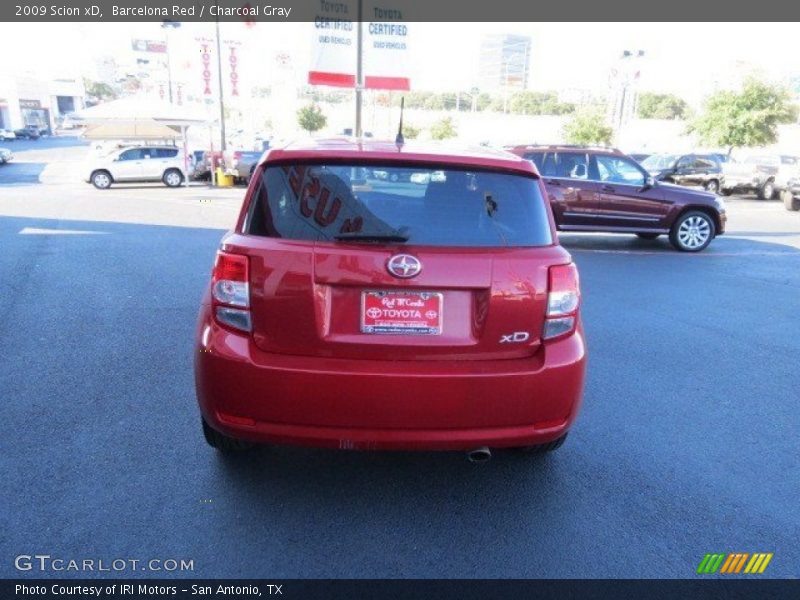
(38, 231)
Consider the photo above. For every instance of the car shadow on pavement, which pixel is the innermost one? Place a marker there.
(734, 244)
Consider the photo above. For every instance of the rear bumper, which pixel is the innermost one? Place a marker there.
(249, 394)
(742, 182)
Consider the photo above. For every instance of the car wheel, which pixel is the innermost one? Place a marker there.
(766, 191)
(692, 232)
(222, 442)
(548, 447)
(789, 201)
(712, 186)
(101, 180)
(173, 178)
(648, 236)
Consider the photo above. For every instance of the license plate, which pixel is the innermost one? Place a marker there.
(409, 313)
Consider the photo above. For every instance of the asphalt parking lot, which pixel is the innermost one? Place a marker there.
(686, 443)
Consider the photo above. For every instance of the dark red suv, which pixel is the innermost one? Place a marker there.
(356, 310)
(602, 189)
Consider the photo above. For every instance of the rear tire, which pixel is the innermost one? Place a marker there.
(172, 178)
(712, 186)
(544, 448)
(767, 191)
(223, 443)
(101, 180)
(789, 201)
(648, 236)
(692, 231)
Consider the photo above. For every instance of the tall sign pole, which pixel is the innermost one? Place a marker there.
(359, 68)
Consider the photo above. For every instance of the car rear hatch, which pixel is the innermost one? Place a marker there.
(441, 265)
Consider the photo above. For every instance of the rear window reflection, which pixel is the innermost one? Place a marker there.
(426, 206)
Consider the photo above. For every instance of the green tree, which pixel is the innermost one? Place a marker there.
(310, 118)
(410, 132)
(483, 102)
(662, 106)
(443, 129)
(99, 90)
(588, 127)
(538, 103)
(746, 118)
(412, 99)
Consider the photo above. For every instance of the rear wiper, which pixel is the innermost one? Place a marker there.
(371, 237)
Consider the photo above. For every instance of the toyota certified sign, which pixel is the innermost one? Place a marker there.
(404, 266)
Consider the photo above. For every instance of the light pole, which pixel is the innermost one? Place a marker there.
(166, 26)
(359, 68)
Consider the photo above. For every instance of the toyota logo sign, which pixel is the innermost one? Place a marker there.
(404, 266)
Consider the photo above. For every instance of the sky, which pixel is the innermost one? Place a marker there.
(690, 60)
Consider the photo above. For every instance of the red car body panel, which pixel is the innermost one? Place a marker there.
(306, 374)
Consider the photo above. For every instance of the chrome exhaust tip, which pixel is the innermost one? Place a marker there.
(479, 455)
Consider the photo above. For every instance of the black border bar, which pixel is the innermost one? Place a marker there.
(441, 589)
(449, 11)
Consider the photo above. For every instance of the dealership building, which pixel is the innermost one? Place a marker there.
(26, 99)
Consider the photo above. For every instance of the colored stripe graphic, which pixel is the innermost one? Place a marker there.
(733, 563)
(710, 563)
(758, 563)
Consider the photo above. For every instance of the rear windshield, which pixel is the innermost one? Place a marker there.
(415, 205)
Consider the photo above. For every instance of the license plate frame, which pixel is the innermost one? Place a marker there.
(401, 300)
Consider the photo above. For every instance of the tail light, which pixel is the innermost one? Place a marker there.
(230, 290)
(563, 300)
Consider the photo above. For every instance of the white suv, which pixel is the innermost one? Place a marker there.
(138, 163)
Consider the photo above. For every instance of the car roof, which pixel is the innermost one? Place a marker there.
(564, 148)
(412, 152)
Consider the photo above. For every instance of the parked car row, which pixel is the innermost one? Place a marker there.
(765, 175)
(29, 132)
(147, 163)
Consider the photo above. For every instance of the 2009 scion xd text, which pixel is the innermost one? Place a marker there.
(354, 309)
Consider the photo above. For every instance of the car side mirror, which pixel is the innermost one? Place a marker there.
(649, 182)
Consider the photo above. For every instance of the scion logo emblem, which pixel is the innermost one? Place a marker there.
(404, 266)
